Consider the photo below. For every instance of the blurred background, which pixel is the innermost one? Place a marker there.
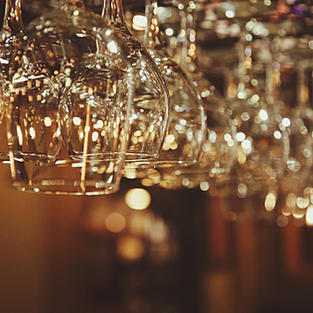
(150, 250)
(123, 253)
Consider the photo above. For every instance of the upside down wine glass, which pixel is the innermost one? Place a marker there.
(187, 119)
(260, 117)
(150, 113)
(281, 24)
(217, 153)
(172, 77)
(299, 200)
(263, 143)
(10, 44)
(291, 36)
(69, 129)
(187, 127)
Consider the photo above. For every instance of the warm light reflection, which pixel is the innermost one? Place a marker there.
(302, 202)
(47, 121)
(204, 186)
(140, 223)
(19, 135)
(147, 182)
(115, 222)
(76, 120)
(130, 248)
(158, 231)
(291, 200)
(139, 22)
(242, 190)
(169, 32)
(298, 214)
(130, 173)
(270, 201)
(309, 216)
(138, 198)
(32, 132)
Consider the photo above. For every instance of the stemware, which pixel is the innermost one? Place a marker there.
(186, 130)
(218, 150)
(263, 143)
(299, 163)
(185, 106)
(291, 35)
(187, 119)
(52, 136)
(271, 26)
(298, 184)
(151, 106)
(187, 125)
(10, 53)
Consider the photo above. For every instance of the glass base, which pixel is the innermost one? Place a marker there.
(144, 169)
(174, 163)
(130, 157)
(67, 178)
(66, 187)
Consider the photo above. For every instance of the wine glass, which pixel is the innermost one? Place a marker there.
(291, 35)
(300, 158)
(10, 44)
(187, 127)
(151, 104)
(52, 131)
(278, 25)
(261, 118)
(218, 151)
(298, 183)
(266, 25)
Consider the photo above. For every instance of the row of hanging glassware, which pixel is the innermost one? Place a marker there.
(268, 93)
(273, 156)
(84, 102)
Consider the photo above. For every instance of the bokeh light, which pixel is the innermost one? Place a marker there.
(138, 198)
(115, 222)
(130, 248)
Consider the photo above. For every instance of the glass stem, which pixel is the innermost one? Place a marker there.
(242, 68)
(270, 84)
(249, 80)
(13, 22)
(152, 30)
(113, 13)
(302, 88)
(188, 53)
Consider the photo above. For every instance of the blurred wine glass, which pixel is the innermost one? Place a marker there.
(292, 54)
(217, 154)
(187, 120)
(261, 119)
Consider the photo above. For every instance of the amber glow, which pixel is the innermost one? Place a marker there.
(270, 201)
(130, 248)
(115, 222)
(138, 199)
(139, 22)
(309, 216)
